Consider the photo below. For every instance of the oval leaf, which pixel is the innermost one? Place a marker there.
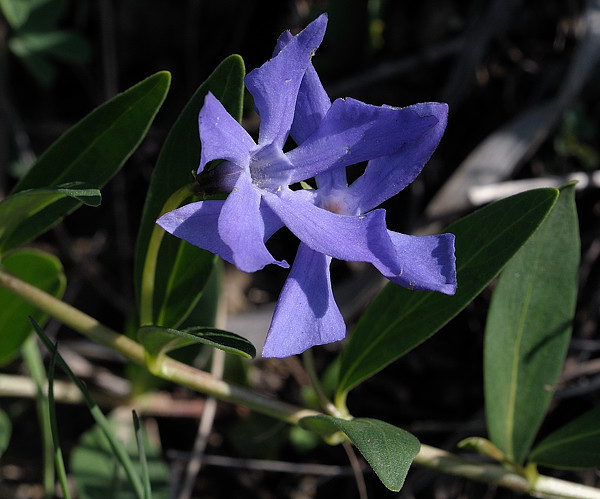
(182, 270)
(92, 151)
(528, 329)
(575, 445)
(21, 207)
(158, 341)
(388, 450)
(400, 319)
(43, 271)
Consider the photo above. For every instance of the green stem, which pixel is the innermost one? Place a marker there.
(149, 271)
(169, 369)
(33, 359)
(543, 486)
(326, 404)
(58, 455)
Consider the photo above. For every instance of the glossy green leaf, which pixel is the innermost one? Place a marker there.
(5, 431)
(528, 329)
(388, 450)
(182, 269)
(158, 341)
(97, 473)
(576, 445)
(15, 12)
(92, 151)
(400, 319)
(43, 271)
(20, 208)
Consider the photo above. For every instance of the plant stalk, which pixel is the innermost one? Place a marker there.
(177, 372)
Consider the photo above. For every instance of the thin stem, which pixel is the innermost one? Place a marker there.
(170, 369)
(33, 359)
(149, 271)
(356, 469)
(177, 372)
(543, 486)
(58, 456)
(326, 404)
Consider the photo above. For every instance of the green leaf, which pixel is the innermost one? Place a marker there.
(16, 12)
(43, 271)
(528, 329)
(400, 319)
(20, 208)
(158, 341)
(37, 63)
(575, 445)
(182, 269)
(63, 45)
(388, 449)
(5, 431)
(96, 470)
(44, 15)
(92, 151)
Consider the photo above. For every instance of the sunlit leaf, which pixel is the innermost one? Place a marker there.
(528, 329)
(182, 269)
(400, 319)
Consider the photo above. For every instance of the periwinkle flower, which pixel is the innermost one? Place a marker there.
(334, 221)
(337, 219)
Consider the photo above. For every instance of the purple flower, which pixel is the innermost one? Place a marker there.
(236, 229)
(334, 221)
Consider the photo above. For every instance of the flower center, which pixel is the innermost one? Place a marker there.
(269, 168)
(339, 202)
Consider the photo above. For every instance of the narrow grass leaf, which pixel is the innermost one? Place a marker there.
(59, 462)
(139, 440)
(528, 329)
(98, 476)
(102, 423)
